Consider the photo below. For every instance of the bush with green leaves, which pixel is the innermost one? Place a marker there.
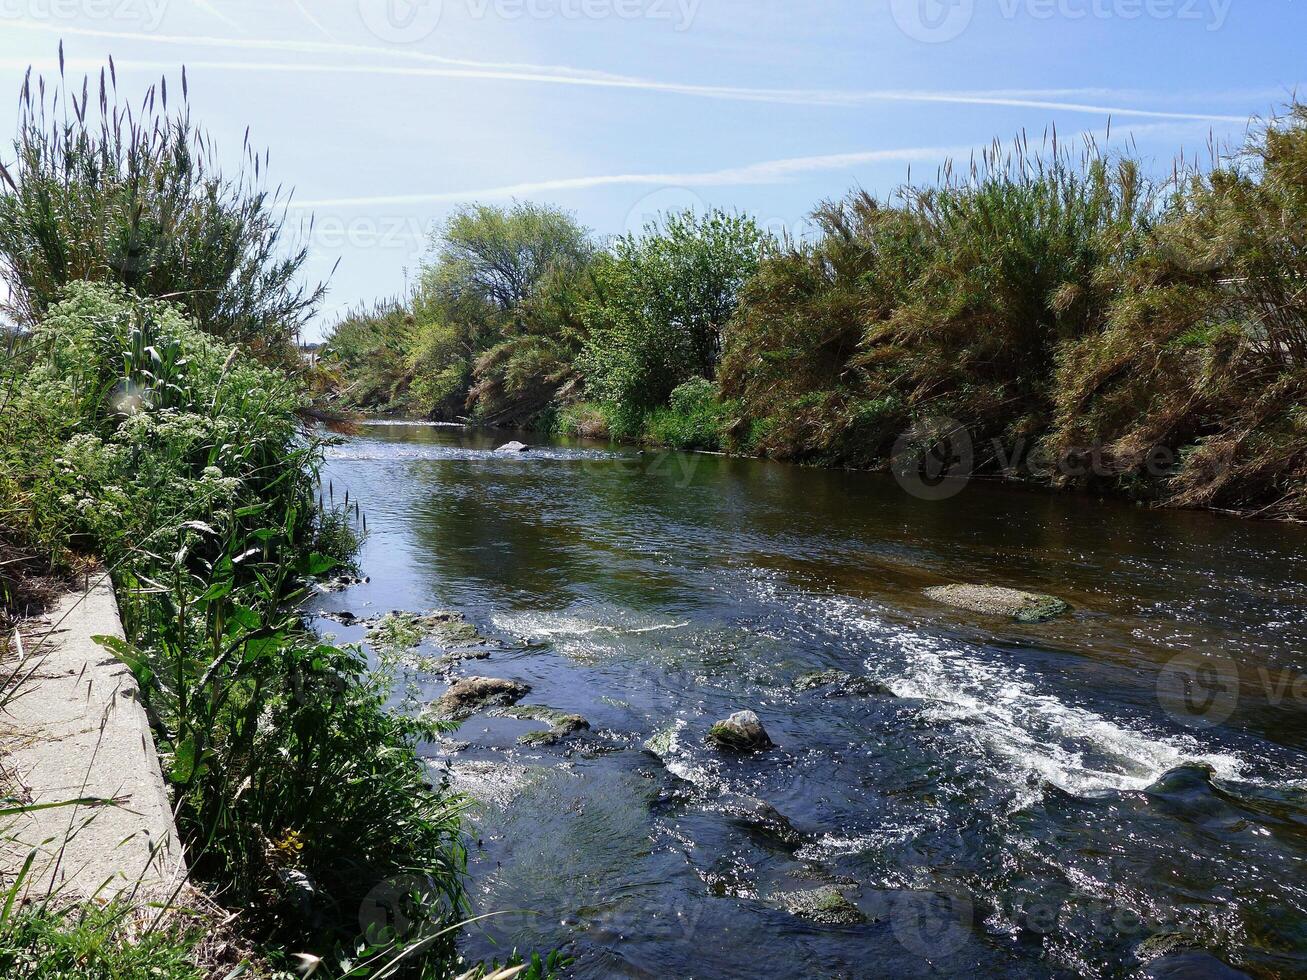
(662, 300)
(181, 465)
(693, 418)
(133, 195)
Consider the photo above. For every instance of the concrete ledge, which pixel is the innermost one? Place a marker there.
(78, 730)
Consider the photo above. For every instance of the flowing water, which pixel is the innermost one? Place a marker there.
(1011, 800)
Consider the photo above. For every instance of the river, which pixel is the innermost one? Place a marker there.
(1005, 801)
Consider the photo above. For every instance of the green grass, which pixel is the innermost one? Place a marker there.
(96, 942)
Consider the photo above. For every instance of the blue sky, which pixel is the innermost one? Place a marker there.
(385, 114)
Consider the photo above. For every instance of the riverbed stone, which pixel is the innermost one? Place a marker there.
(472, 694)
(839, 683)
(1193, 964)
(741, 732)
(513, 447)
(994, 600)
(561, 723)
(826, 905)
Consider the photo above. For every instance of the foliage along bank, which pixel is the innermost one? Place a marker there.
(1083, 324)
(150, 426)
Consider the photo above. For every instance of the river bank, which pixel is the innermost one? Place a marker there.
(993, 798)
(1077, 321)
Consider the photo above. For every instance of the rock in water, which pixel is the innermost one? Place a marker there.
(561, 723)
(825, 905)
(471, 694)
(838, 683)
(741, 732)
(992, 600)
(513, 447)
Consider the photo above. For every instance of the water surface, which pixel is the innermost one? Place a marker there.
(1021, 802)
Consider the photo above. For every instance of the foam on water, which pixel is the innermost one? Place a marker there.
(1026, 731)
(373, 450)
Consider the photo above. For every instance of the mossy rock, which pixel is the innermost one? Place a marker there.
(472, 694)
(839, 683)
(994, 600)
(561, 723)
(741, 732)
(397, 631)
(826, 905)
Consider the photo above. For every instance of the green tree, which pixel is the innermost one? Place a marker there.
(661, 302)
(487, 284)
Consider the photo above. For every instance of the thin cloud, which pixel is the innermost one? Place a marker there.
(764, 172)
(561, 75)
(304, 12)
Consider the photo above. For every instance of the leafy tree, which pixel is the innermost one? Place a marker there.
(490, 280)
(662, 300)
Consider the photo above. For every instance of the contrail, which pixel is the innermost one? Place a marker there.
(561, 75)
(213, 11)
(765, 172)
(304, 12)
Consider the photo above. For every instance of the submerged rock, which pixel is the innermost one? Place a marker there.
(513, 447)
(561, 723)
(838, 683)
(993, 600)
(472, 694)
(1191, 964)
(341, 582)
(403, 630)
(741, 732)
(826, 905)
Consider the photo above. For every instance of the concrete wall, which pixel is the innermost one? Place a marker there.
(77, 729)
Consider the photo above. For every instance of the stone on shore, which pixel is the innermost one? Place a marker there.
(992, 600)
(741, 732)
(472, 694)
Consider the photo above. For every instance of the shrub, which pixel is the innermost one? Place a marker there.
(135, 437)
(587, 420)
(137, 199)
(693, 418)
(661, 302)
